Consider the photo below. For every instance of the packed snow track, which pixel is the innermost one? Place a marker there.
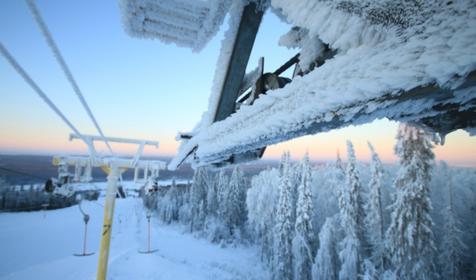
(40, 245)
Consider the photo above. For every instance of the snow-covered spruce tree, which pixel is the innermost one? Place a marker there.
(216, 226)
(369, 271)
(284, 162)
(326, 260)
(202, 214)
(374, 215)
(222, 192)
(327, 184)
(352, 215)
(261, 201)
(303, 241)
(338, 180)
(452, 247)
(169, 205)
(212, 199)
(283, 230)
(295, 174)
(236, 201)
(198, 196)
(409, 238)
(185, 207)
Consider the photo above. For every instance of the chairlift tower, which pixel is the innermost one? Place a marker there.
(114, 167)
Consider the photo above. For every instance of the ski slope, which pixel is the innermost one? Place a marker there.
(40, 245)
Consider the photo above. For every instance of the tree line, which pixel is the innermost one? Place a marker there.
(33, 197)
(414, 220)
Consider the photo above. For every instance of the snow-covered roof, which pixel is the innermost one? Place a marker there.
(386, 49)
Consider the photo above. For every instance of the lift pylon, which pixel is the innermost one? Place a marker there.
(114, 167)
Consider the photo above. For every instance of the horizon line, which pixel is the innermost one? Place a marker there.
(272, 159)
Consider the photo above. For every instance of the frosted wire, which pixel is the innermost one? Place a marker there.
(64, 67)
(37, 89)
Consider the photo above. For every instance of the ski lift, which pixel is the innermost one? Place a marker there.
(446, 102)
(114, 167)
(61, 185)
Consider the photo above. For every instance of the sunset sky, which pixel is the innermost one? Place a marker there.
(143, 88)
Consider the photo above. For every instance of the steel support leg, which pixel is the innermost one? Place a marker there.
(112, 179)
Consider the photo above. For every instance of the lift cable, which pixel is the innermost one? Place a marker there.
(37, 89)
(59, 58)
(21, 173)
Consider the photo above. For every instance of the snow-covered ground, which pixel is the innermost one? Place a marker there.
(40, 245)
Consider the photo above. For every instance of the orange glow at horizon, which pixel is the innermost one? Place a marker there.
(459, 149)
(45, 145)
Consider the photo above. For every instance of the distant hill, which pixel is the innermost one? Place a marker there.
(31, 169)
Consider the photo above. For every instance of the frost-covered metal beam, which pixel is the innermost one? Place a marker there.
(90, 139)
(187, 23)
(440, 109)
(116, 140)
(235, 70)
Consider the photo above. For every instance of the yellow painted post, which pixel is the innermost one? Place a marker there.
(112, 179)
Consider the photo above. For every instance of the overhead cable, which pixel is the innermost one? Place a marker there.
(59, 58)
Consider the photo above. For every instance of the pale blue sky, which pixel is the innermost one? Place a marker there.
(136, 88)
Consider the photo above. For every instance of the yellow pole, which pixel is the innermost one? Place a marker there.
(112, 179)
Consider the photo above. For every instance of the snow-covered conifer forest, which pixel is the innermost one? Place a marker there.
(340, 220)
